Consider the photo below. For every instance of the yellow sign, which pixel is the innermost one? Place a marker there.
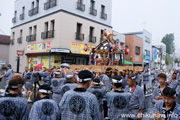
(79, 48)
(42, 47)
(34, 61)
(55, 60)
(45, 60)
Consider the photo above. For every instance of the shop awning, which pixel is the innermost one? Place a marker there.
(127, 62)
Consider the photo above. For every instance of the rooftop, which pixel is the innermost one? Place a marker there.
(4, 39)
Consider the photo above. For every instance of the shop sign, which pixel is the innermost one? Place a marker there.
(70, 60)
(43, 47)
(20, 53)
(2, 62)
(59, 50)
(79, 48)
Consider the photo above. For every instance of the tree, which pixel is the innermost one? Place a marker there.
(176, 60)
(168, 40)
(168, 60)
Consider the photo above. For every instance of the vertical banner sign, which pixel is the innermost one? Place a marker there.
(155, 53)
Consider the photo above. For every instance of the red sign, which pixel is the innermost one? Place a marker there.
(127, 50)
(20, 52)
(85, 47)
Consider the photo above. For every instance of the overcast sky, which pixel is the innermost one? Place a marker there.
(156, 16)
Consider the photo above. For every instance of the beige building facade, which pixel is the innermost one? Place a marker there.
(64, 36)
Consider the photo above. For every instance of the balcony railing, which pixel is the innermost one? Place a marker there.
(14, 20)
(104, 16)
(50, 4)
(51, 34)
(93, 11)
(47, 34)
(92, 39)
(79, 36)
(80, 6)
(31, 38)
(44, 35)
(34, 11)
(12, 42)
(19, 40)
(21, 17)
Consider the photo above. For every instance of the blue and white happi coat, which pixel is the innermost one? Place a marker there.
(79, 104)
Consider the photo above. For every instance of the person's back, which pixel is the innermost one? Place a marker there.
(79, 104)
(13, 108)
(118, 103)
(8, 75)
(57, 83)
(45, 109)
(46, 77)
(99, 90)
(66, 87)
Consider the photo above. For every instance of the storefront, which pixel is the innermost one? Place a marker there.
(43, 53)
(81, 52)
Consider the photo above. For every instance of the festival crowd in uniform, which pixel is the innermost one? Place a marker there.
(67, 94)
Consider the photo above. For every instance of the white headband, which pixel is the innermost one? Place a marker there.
(19, 85)
(96, 83)
(116, 81)
(69, 76)
(57, 72)
(44, 91)
(133, 77)
(83, 80)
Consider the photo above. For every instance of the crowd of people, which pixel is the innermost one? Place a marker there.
(88, 95)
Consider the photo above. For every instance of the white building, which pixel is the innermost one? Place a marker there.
(162, 48)
(156, 57)
(56, 31)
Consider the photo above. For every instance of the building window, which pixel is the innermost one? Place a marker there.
(102, 35)
(51, 32)
(31, 37)
(93, 11)
(147, 39)
(52, 24)
(91, 35)
(103, 14)
(79, 35)
(126, 46)
(80, 5)
(79, 27)
(37, 3)
(46, 26)
(48, 33)
(12, 40)
(19, 40)
(35, 30)
(34, 10)
(137, 50)
(32, 5)
(14, 18)
(147, 52)
(30, 30)
(49, 4)
(22, 15)
(23, 9)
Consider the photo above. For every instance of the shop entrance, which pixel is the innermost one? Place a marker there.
(81, 61)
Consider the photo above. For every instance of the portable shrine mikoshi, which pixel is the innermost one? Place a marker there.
(107, 52)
